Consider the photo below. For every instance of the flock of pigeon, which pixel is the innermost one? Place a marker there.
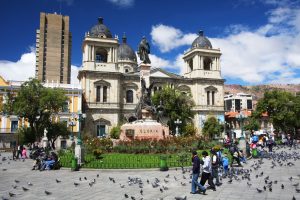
(281, 158)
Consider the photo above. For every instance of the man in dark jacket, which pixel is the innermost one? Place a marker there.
(196, 171)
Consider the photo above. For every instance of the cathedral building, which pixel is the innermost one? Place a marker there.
(110, 79)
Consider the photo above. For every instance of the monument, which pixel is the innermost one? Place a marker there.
(45, 139)
(146, 124)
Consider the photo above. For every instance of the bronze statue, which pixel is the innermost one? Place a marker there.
(144, 50)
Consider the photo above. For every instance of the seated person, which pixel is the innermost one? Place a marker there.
(242, 156)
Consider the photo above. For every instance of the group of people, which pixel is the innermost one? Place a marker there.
(19, 152)
(210, 170)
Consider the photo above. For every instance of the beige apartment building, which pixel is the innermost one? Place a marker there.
(53, 49)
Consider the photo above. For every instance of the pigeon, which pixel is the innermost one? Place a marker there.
(265, 188)
(230, 181)
(97, 175)
(282, 186)
(297, 190)
(183, 184)
(126, 195)
(57, 181)
(47, 192)
(11, 194)
(132, 197)
(147, 181)
(296, 185)
(270, 189)
(76, 184)
(122, 186)
(79, 178)
(249, 184)
(180, 198)
(168, 176)
(85, 178)
(293, 198)
(91, 184)
(25, 189)
(166, 181)
(17, 181)
(4, 169)
(291, 178)
(30, 184)
(4, 198)
(161, 190)
(141, 192)
(258, 190)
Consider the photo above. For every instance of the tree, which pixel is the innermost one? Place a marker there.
(35, 103)
(212, 127)
(55, 130)
(115, 132)
(177, 105)
(282, 108)
(252, 124)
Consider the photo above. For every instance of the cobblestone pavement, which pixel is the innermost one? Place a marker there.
(104, 188)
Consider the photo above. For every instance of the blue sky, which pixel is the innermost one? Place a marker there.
(260, 40)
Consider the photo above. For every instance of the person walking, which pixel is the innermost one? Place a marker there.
(206, 174)
(196, 171)
(225, 162)
(215, 162)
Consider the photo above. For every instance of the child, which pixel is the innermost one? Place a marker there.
(24, 154)
(225, 163)
(242, 157)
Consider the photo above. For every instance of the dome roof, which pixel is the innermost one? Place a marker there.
(100, 29)
(202, 41)
(125, 52)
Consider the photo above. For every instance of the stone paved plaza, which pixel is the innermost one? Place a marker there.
(104, 188)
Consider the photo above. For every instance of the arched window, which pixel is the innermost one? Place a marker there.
(129, 96)
(206, 63)
(105, 94)
(191, 64)
(98, 94)
(101, 55)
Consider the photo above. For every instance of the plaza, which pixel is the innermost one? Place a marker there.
(113, 184)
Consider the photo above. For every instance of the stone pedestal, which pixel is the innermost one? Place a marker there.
(45, 142)
(144, 129)
(79, 152)
(145, 73)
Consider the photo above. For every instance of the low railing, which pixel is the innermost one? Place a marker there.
(102, 105)
(8, 130)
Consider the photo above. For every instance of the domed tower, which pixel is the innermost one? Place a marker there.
(126, 57)
(100, 49)
(202, 61)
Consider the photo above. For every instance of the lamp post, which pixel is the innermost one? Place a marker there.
(72, 124)
(78, 148)
(177, 122)
(242, 144)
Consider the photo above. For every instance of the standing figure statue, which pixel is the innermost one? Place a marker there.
(144, 50)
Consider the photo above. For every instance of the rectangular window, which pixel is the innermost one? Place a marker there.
(249, 104)
(105, 94)
(101, 131)
(208, 100)
(98, 94)
(14, 126)
(228, 105)
(237, 104)
(213, 98)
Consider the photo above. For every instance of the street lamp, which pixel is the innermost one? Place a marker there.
(177, 122)
(78, 149)
(241, 117)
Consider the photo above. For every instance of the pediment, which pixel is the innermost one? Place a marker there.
(102, 121)
(102, 82)
(211, 88)
(160, 74)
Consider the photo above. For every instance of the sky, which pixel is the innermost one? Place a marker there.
(259, 39)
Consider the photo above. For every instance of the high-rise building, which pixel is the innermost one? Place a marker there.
(53, 49)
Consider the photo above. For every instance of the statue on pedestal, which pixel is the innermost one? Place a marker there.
(144, 50)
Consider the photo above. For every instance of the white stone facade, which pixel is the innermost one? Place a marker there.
(111, 85)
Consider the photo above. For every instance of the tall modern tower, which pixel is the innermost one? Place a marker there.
(53, 49)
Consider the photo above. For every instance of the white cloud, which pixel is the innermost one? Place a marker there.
(168, 38)
(74, 74)
(20, 70)
(24, 68)
(122, 3)
(267, 54)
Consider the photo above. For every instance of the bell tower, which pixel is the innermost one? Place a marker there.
(202, 61)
